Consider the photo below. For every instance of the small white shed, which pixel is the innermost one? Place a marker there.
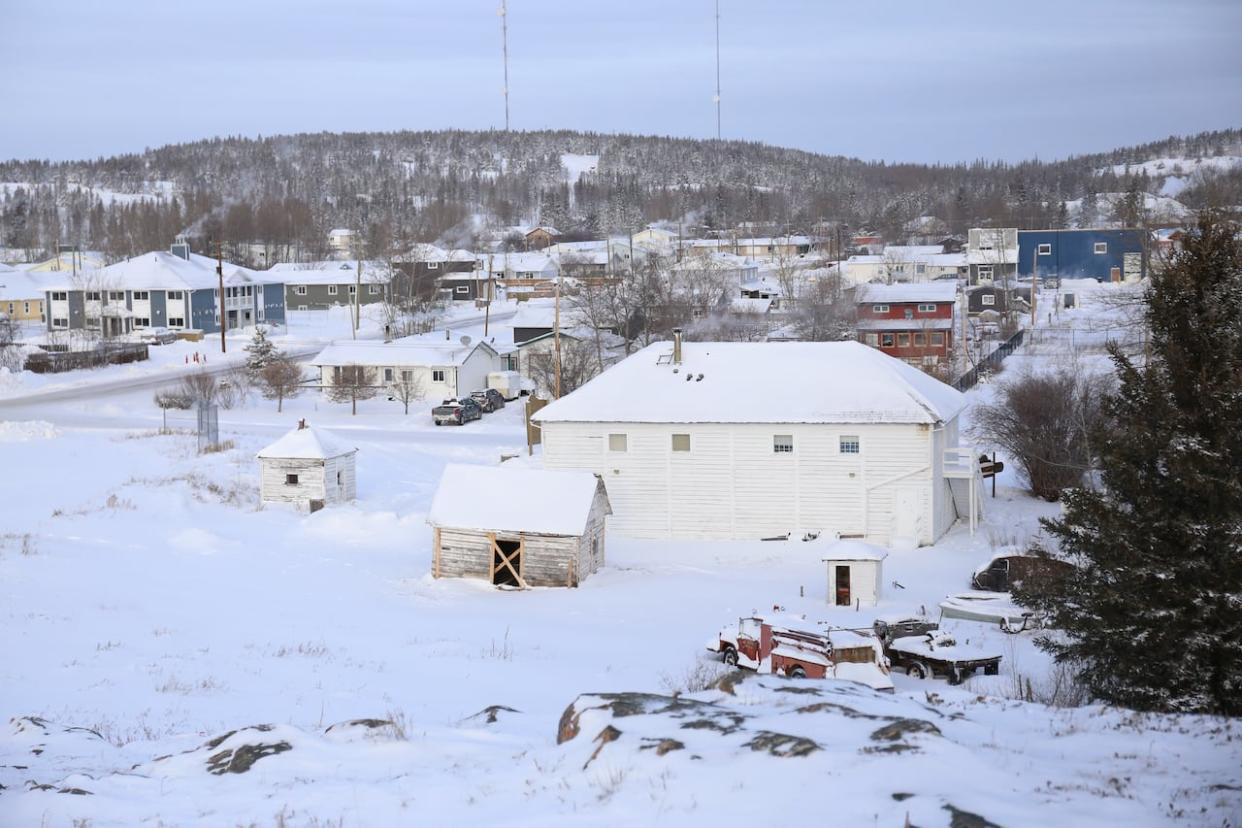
(855, 573)
(518, 526)
(308, 467)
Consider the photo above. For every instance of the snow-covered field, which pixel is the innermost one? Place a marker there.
(149, 609)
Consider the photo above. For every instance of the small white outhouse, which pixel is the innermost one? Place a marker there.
(308, 467)
(855, 572)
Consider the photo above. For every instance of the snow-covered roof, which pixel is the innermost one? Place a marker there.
(307, 444)
(293, 272)
(759, 382)
(743, 304)
(854, 550)
(512, 498)
(906, 292)
(21, 284)
(421, 350)
(160, 270)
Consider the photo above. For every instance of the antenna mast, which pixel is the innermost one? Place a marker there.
(504, 36)
(717, 70)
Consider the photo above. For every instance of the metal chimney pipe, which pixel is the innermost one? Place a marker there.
(677, 346)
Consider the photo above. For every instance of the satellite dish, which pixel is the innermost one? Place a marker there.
(465, 340)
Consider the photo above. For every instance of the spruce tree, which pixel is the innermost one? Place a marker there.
(1153, 616)
(260, 352)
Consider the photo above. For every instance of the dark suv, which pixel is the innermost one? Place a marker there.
(489, 400)
(456, 412)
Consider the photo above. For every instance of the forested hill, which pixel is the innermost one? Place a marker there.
(446, 185)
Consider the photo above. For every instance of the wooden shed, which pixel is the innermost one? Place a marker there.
(855, 573)
(308, 467)
(518, 526)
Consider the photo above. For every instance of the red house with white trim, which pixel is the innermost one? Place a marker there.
(910, 321)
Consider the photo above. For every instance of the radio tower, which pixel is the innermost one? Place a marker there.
(717, 99)
(504, 35)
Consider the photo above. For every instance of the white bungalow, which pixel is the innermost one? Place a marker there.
(440, 368)
(518, 526)
(855, 573)
(308, 467)
(735, 440)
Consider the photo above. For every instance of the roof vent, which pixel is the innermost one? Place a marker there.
(465, 340)
(677, 346)
(699, 378)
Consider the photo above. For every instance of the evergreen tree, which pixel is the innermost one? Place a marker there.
(1153, 615)
(260, 352)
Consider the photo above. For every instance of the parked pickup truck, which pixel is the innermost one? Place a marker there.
(766, 647)
(938, 654)
(456, 412)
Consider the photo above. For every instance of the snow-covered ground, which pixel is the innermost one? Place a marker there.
(148, 608)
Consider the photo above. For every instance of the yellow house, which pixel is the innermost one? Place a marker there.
(64, 263)
(21, 295)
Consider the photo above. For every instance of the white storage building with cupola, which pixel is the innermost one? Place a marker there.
(733, 440)
(309, 468)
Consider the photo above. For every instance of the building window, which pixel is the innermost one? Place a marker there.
(937, 339)
(618, 442)
(373, 290)
(848, 444)
(291, 480)
(463, 289)
(60, 322)
(1101, 248)
(353, 289)
(387, 375)
(175, 295)
(116, 296)
(988, 298)
(782, 444)
(437, 375)
(25, 305)
(433, 265)
(94, 296)
(92, 323)
(60, 296)
(301, 307)
(142, 322)
(407, 376)
(903, 340)
(879, 308)
(920, 339)
(141, 296)
(927, 307)
(681, 442)
(985, 272)
(332, 290)
(1045, 250)
(176, 322)
(873, 340)
(886, 340)
(920, 268)
(340, 479)
(300, 290)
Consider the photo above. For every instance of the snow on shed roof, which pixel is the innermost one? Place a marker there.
(759, 382)
(511, 498)
(908, 292)
(307, 444)
(854, 550)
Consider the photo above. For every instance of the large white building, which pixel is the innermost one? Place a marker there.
(755, 440)
(440, 368)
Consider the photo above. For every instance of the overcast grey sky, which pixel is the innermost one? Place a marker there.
(886, 79)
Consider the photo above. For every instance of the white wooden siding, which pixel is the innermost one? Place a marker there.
(733, 485)
(317, 480)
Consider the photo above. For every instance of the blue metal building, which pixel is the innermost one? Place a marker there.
(1103, 255)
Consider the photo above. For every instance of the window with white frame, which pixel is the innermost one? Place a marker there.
(300, 290)
(142, 322)
(332, 289)
(141, 295)
(886, 340)
(116, 296)
(1101, 248)
(176, 295)
(782, 444)
(985, 272)
(437, 375)
(937, 339)
(618, 442)
(353, 289)
(681, 442)
(879, 308)
(920, 339)
(849, 444)
(60, 296)
(407, 376)
(1044, 250)
(903, 340)
(873, 339)
(25, 307)
(387, 375)
(92, 323)
(176, 321)
(463, 289)
(301, 307)
(988, 299)
(94, 296)
(433, 265)
(927, 307)
(373, 290)
(60, 322)
(920, 268)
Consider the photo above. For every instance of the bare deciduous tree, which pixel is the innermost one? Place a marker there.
(281, 379)
(407, 388)
(351, 383)
(578, 366)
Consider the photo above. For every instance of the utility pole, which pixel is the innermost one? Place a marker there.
(556, 330)
(224, 319)
(717, 70)
(1034, 281)
(504, 34)
(487, 309)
